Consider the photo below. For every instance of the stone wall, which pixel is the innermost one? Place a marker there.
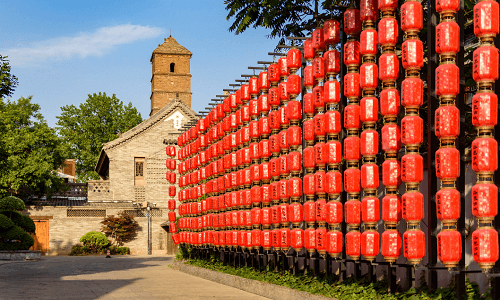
(65, 232)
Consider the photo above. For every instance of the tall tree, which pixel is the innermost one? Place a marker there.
(8, 81)
(87, 127)
(283, 17)
(31, 150)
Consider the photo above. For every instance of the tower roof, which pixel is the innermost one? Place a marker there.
(170, 46)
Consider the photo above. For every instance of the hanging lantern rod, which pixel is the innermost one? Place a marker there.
(241, 80)
(289, 47)
(276, 53)
(228, 90)
(265, 62)
(224, 96)
(216, 100)
(234, 84)
(248, 75)
(256, 68)
(299, 38)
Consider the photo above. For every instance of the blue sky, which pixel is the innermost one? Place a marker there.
(61, 51)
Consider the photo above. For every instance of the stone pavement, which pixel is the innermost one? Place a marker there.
(96, 277)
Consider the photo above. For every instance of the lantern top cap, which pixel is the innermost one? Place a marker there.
(171, 46)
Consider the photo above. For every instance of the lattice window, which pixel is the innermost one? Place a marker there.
(142, 213)
(82, 213)
(140, 193)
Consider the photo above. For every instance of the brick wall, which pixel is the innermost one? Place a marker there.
(65, 232)
(165, 84)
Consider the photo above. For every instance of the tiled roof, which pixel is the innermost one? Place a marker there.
(170, 46)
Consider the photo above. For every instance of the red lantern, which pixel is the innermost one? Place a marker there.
(369, 109)
(391, 209)
(412, 130)
(391, 245)
(389, 102)
(334, 212)
(352, 212)
(412, 168)
(297, 239)
(368, 76)
(391, 173)
(447, 163)
(486, 14)
(485, 64)
(332, 62)
(412, 91)
(296, 213)
(369, 41)
(352, 180)
(387, 5)
(352, 22)
(351, 53)
(321, 240)
(353, 244)
(369, 176)
(334, 243)
(318, 68)
(484, 155)
(310, 211)
(370, 244)
(388, 32)
(485, 201)
(294, 59)
(414, 246)
(413, 206)
(293, 85)
(352, 148)
(389, 65)
(447, 38)
(368, 10)
(369, 142)
(485, 247)
(308, 49)
(351, 85)
(449, 247)
(413, 54)
(447, 6)
(331, 32)
(331, 92)
(447, 119)
(370, 210)
(333, 182)
(484, 109)
(310, 239)
(448, 205)
(447, 78)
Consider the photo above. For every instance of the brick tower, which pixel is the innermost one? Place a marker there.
(171, 74)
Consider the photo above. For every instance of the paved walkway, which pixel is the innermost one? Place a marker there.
(95, 277)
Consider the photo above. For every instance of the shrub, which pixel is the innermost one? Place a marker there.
(14, 226)
(95, 240)
(5, 223)
(12, 203)
(15, 239)
(115, 250)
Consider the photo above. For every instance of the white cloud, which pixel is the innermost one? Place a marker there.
(81, 45)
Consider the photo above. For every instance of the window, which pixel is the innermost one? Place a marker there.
(139, 170)
(172, 68)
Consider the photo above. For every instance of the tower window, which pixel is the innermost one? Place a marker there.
(172, 68)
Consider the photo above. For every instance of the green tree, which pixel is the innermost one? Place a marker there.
(121, 229)
(8, 80)
(283, 17)
(31, 151)
(86, 128)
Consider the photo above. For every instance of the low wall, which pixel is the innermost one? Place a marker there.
(19, 255)
(65, 231)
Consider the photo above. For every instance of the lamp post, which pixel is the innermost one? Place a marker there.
(146, 205)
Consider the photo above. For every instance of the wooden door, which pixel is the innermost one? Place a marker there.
(41, 236)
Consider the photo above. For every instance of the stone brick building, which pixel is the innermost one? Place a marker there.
(132, 167)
